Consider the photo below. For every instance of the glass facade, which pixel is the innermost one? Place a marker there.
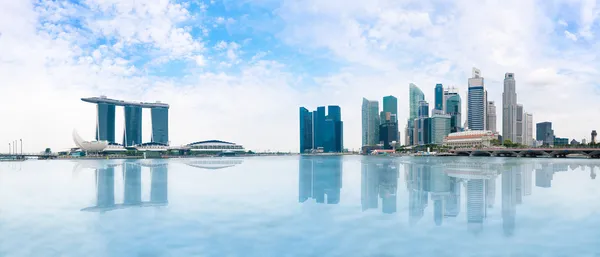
(390, 104)
(453, 108)
(415, 96)
(439, 97)
(545, 133)
(320, 131)
(370, 122)
(160, 125)
(133, 126)
(440, 128)
(423, 109)
(388, 133)
(105, 125)
(477, 106)
(306, 130)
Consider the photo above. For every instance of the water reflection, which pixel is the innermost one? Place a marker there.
(214, 163)
(320, 178)
(379, 179)
(132, 182)
(446, 187)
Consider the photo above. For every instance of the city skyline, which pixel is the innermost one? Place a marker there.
(218, 63)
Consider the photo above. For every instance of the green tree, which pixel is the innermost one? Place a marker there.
(48, 151)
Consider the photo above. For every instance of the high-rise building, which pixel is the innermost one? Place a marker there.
(329, 129)
(370, 122)
(105, 123)
(528, 129)
(306, 130)
(452, 106)
(422, 124)
(519, 124)
(476, 102)
(440, 127)
(160, 125)
(133, 125)
(491, 117)
(509, 109)
(594, 134)
(390, 104)
(439, 97)
(415, 96)
(544, 133)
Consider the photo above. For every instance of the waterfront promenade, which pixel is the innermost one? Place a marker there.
(528, 152)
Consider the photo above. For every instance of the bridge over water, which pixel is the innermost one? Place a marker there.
(528, 152)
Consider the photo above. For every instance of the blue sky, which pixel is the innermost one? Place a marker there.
(239, 70)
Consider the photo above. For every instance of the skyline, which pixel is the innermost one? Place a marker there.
(221, 65)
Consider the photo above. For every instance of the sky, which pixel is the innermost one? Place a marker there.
(239, 70)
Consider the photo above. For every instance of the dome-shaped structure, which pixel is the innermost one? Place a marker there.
(88, 146)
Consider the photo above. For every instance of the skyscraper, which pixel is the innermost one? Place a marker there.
(544, 133)
(370, 122)
(105, 123)
(528, 129)
(133, 125)
(440, 127)
(439, 97)
(422, 124)
(330, 130)
(491, 116)
(519, 124)
(306, 130)
(390, 104)
(415, 96)
(160, 125)
(453, 107)
(509, 109)
(476, 102)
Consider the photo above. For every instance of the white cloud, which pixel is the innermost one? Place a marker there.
(570, 35)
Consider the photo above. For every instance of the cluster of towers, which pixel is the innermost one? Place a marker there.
(320, 131)
(132, 134)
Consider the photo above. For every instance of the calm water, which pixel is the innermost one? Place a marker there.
(301, 206)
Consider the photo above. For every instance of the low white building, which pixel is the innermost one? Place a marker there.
(470, 139)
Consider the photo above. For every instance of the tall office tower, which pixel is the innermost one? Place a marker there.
(509, 199)
(545, 133)
(452, 107)
(415, 96)
(491, 117)
(318, 127)
(440, 127)
(160, 125)
(519, 124)
(528, 129)
(370, 122)
(593, 139)
(105, 125)
(388, 131)
(476, 102)
(306, 130)
(422, 123)
(509, 109)
(390, 104)
(333, 133)
(133, 125)
(439, 97)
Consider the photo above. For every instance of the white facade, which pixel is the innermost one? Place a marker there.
(528, 129)
(370, 122)
(509, 108)
(470, 139)
(491, 116)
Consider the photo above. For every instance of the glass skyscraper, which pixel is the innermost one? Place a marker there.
(318, 131)
(160, 125)
(476, 102)
(370, 122)
(439, 97)
(133, 125)
(415, 96)
(453, 108)
(306, 130)
(105, 125)
(545, 133)
(390, 104)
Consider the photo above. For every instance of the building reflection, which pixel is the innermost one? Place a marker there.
(132, 183)
(379, 179)
(320, 178)
(214, 163)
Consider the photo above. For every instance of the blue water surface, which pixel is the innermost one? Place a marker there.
(301, 206)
